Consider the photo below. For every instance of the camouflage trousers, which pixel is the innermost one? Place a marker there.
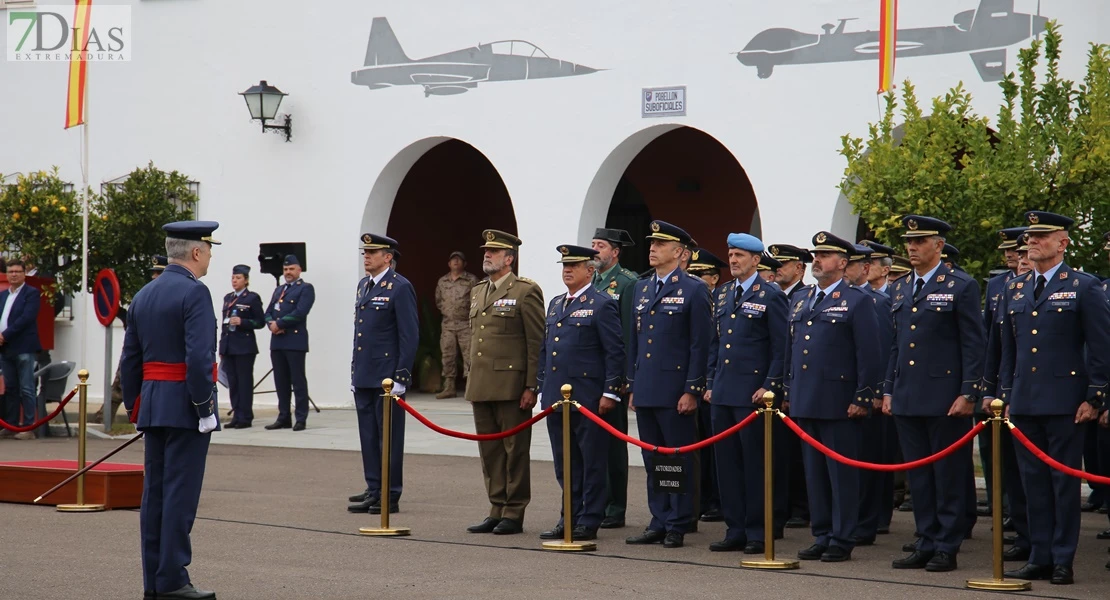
(455, 338)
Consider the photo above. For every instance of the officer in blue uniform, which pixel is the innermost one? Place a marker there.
(932, 389)
(833, 371)
(1054, 367)
(168, 375)
(667, 371)
(287, 319)
(1013, 246)
(242, 314)
(582, 335)
(750, 316)
(768, 269)
(705, 265)
(157, 266)
(386, 335)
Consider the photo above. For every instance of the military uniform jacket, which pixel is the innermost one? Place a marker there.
(885, 320)
(618, 284)
(507, 328)
(170, 320)
(387, 331)
(992, 318)
(674, 331)
(248, 307)
(1055, 350)
(996, 290)
(289, 308)
(751, 350)
(581, 346)
(831, 360)
(938, 348)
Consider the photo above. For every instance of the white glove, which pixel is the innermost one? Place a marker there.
(398, 389)
(352, 388)
(208, 423)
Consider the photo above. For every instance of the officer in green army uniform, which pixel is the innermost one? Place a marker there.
(616, 281)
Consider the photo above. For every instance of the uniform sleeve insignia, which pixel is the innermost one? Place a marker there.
(940, 278)
(836, 295)
(613, 284)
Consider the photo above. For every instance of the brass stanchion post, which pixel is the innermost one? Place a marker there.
(384, 499)
(769, 561)
(82, 419)
(998, 583)
(568, 544)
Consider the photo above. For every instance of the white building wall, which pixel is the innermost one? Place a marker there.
(552, 140)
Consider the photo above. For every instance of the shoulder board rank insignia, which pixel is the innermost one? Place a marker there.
(525, 280)
(299, 282)
(940, 278)
(836, 295)
(951, 284)
(613, 284)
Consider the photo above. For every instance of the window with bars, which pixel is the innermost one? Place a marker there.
(178, 203)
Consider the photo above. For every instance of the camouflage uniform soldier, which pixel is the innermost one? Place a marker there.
(453, 301)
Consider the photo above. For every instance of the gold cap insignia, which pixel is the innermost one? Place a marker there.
(1033, 218)
(490, 236)
(1002, 234)
(563, 250)
(821, 238)
(154, 261)
(694, 255)
(774, 249)
(366, 239)
(654, 227)
(911, 224)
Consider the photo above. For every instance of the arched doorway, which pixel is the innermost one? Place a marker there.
(678, 174)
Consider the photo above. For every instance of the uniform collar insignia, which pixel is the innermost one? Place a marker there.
(940, 278)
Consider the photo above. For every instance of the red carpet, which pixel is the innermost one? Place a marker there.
(71, 465)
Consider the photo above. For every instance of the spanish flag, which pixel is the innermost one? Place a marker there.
(888, 40)
(78, 67)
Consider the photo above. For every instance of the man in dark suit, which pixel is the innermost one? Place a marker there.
(667, 371)
(168, 373)
(832, 371)
(1053, 372)
(932, 389)
(287, 319)
(386, 335)
(242, 314)
(19, 342)
(582, 335)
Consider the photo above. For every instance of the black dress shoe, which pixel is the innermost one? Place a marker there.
(582, 533)
(243, 425)
(917, 560)
(674, 539)
(983, 511)
(364, 506)
(555, 533)
(612, 523)
(755, 547)
(1015, 553)
(278, 425)
(1008, 524)
(359, 497)
(796, 523)
(149, 595)
(1030, 572)
(1009, 540)
(814, 552)
(910, 547)
(649, 536)
(906, 506)
(508, 527)
(299, 426)
(836, 554)
(727, 545)
(1062, 575)
(712, 515)
(1089, 506)
(941, 562)
(231, 425)
(187, 593)
(1103, 535)
(376, 508)
(779, 534)
(485, 526)
(865, 541)
(883, 530)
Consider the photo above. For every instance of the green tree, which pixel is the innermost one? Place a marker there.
(44, 225)
(1049, 150)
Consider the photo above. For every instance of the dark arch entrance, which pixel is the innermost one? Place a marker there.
(686, 177)
(449, 195)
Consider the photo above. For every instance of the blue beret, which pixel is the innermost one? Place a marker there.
(291, 259)
(199, 231)
(745, 241)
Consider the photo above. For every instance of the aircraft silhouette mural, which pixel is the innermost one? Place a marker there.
(455, 72)
(983, 32)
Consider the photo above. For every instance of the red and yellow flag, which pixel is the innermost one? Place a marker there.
(888, 40)
(78, 66)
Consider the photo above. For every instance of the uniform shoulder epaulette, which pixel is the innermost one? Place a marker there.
(526, 280)
(1084, 275)
(300, 281)
(631, 275)
(692, 276)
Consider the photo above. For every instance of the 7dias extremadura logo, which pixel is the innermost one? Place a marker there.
(58, 33)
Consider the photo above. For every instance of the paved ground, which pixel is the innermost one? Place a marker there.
(272, 524)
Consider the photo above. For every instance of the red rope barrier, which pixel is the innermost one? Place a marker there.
(476, 437)
(1052, 462)
(844, 460)
(663, 449)
(61, 405)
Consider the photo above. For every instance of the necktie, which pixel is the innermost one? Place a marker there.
(1040, 287)
(566, 302)
(658, 286)
(739, 294)
(920, 283)
(818, 299)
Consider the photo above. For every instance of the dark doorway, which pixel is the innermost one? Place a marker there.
(688, 178)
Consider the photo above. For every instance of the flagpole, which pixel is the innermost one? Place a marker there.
(85, 224)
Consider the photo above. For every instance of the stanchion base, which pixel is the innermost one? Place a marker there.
(570, 547)
(999, 585)
(384, 532)
(770, 564)
(80, 507)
